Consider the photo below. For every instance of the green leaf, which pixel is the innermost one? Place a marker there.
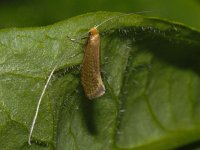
(150, 68)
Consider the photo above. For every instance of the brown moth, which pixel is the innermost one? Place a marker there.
(90, 72)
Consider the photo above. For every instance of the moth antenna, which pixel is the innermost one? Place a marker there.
(85, 34)
(141, 12)
(41, 97)
(39, 102)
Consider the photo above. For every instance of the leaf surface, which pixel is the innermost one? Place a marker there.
(150, 69)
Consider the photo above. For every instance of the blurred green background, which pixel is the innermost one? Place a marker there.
(21, 13)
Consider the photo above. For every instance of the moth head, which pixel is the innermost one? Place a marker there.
(93, 31)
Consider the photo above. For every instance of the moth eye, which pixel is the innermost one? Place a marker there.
(90, 33)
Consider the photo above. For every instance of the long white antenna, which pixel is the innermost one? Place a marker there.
(141, 12)
(42, 95)
(38, 105)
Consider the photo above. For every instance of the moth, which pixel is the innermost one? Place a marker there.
(90, 72)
